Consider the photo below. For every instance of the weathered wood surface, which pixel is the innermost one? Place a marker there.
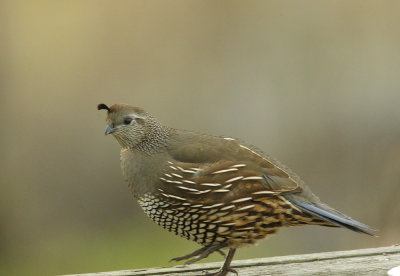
(366, 262)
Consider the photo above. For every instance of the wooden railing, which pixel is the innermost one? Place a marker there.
(364, 262)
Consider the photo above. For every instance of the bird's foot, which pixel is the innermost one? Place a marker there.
(226, 268)
(200, 253)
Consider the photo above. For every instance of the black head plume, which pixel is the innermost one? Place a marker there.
(103, 106)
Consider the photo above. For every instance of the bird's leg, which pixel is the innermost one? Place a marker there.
(221, 252)
(227, 265)
(188, 256)
(200, 253)
(206, 252)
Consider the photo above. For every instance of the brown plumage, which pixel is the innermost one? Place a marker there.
(216, 191)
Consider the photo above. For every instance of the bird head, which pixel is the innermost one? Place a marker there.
(126, 123)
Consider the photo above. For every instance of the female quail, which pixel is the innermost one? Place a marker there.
(216, 191)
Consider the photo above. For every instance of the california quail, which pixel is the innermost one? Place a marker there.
(216, 191)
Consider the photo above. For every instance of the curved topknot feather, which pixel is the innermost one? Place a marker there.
(103, 106)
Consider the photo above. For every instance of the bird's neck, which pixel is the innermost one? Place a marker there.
(155, 140)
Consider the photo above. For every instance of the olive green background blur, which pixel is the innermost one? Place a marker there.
(314, 83)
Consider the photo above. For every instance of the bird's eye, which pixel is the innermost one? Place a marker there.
(127, 120)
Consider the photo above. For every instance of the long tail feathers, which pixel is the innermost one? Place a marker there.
(331, 215)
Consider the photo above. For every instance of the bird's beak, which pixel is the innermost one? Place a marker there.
(110, 129)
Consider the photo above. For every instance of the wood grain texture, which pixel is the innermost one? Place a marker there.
(366, 262)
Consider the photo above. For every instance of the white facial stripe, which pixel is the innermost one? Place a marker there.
(135, 116)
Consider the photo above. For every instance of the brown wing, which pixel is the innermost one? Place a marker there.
(223, 170)
(223, 181)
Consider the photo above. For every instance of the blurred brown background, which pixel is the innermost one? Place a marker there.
(314, 83)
